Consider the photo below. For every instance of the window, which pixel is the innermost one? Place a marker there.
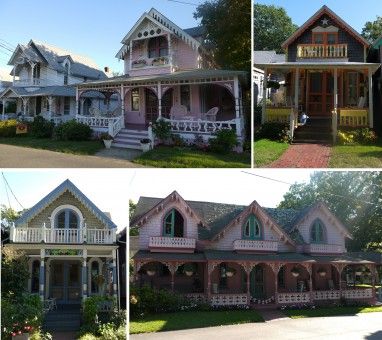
(352, 92)
(135, 100)
(185, 96)
(66, 105)
(281, 278)
(35, 276)
(325, 38)
(173, 225)
(158, 47)
(317, 232)
(94, 277)
(66, 75)
(332, 38)
(318, 38)
(67, 218)
(223, 276)
(36, 71)
(252, 229)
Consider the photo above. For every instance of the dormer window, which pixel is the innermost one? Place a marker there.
(36, 71)
(173, 224)
(317, 232)
(327, 38)
(158, 47)
(67, 219)
(66, 75)
(252, 229)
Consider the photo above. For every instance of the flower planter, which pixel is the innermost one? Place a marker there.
(107, 143)
(150, 272)
(230, 274)
(23, 336)
(145, 147)
(189, 272)
(139, 65)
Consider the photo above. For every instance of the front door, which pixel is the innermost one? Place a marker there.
(65, 281)
(257, 282)
(320, 94)
(151, 105)
(38, 105)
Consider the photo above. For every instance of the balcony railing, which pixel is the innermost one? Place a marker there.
(302, 297)
(326, 295)
(181, 244)
(229, 299)
(322, 51)
(67, 236)
(29, 82)
(324, 248)
(254, 245)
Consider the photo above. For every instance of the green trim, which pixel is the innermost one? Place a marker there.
(254, 229)
(317, 232)
(171, 222)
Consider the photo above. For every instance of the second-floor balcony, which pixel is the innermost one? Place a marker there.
(320, 248)
(63, 236)
(176, 244)
(150, 62)
(30, 82)
(255, 245)
(319, 51)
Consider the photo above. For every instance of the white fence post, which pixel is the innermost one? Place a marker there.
(291, 124)
(334, 125)
(151, 135)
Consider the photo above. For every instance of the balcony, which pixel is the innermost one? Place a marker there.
(324, 248)
(176, 244)
(253, 245)
(319, 51)
(63, 236)
(150, 62)
(30, 82)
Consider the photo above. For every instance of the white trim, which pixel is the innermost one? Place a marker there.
(52, 217)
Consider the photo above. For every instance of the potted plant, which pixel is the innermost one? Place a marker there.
(107, 139)
(100, 280)
(145, 144)
(358, 271)
(139, 63)
(150, 269)
(322, 272)
(159, 61)
(295, 271)
(162, 130)
(230, 271)
(189, 269)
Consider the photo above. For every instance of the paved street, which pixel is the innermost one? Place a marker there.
(363, 326)
(21, 157)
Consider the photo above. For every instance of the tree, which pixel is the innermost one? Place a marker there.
(228, 32)
(272, 26)
(354, 197)
(134, 231)
(8, 216)
(372, 30)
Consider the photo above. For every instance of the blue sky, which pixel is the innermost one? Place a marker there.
(355, 13)
(90, 27)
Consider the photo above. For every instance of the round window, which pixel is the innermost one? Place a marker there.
(152, 32)
(146, 33)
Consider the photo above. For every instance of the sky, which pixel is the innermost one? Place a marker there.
(110, 190)
(93, 28)
(355, 13)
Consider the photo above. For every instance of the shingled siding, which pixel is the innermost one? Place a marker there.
(67, 198)
(154, 226)
(355, 48)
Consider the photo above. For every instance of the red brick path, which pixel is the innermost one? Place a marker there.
(304, 156)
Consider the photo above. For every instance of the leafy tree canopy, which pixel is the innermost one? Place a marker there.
(272, 26)
(354, 197)
(372, 30)
(228, 31)
(132, 207)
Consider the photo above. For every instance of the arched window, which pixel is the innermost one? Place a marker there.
(66, 75)
(317, 232)
(35, 280)
(158, 47)
(252, 229)
(67, 218)
(173, 224)
(94, 277)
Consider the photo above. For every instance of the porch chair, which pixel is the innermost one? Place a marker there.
(210, 115)
(331, 284)
(178, 112)
(361, 102)
(95, 112)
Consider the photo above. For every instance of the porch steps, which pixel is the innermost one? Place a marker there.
(129, 139)
(62, 320)
(315, 131)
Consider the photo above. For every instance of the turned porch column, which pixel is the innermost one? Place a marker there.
(84, 275)
(371, 109)
(4, 101)
(114, 270)
(210, 268)
(265, 84)
(122, 105)
(42, 274)
(159, 100)
(25, 103)
(296, 88)
(77, 104)
(50, 101)
(236, 92)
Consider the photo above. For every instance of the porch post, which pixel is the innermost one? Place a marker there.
(248, 272)
(210, 268)
(169, 49)
(371, 109)
(265, 84)
(236, 94)
(42, 274)
(84, 275)
(122, 105)
(32, 69)
(77, 97)
(4, 103)
(335, 90)
(296, 88)
(25, 102)
(159, 100)
(130, 54)
(114, 268)
(334, 114)
(310, 270)
(50, 101)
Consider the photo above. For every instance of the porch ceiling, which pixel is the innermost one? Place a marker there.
(148, 256)
(234, 256)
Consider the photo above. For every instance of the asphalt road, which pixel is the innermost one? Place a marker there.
(21, 157)
(362, 326)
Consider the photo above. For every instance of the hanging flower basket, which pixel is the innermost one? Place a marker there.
(189, 269)
(321, 272)
(230, 272)
(295, 271)
(358, 271)
(150, 270)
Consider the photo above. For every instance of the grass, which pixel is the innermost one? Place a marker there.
(197, 319)
(267, 151)
(330, 311)
(364, 285)
(356, 156)
(186, 157)
(71, 147)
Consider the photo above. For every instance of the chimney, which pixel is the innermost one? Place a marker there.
(106, 68)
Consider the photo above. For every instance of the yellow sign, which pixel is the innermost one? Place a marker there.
(21, 128)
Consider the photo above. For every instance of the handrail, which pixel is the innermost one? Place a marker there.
(116, 126)
(322, 51)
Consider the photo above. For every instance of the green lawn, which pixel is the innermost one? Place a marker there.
(330, 311)
(72, 147)
(185, 157)
(267, 151)
(356, 156)
(197, 319)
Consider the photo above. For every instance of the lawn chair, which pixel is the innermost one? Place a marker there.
(210, 115)
(178, 112)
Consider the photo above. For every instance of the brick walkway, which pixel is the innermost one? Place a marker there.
(304, 156)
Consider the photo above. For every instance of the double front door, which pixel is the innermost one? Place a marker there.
(257, 282)
(65, 281)
(320, 94)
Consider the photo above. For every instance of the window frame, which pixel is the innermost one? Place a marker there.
(67, 212)
(157, 47)
(171, 214)
(316, 229)
(253, 225)
(135, 105)
(324, 38)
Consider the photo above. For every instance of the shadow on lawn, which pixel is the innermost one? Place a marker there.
(375, 154)
(374, 336)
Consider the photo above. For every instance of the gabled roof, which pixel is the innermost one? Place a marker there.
(165, 24)
(325, 10)
(67, 185)
(267, 57)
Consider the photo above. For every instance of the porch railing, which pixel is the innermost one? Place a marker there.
(326, 295)
(255, 245)
(56, 235)
(229, 299)
(303, 297)
(116, 126)
(172, 242)
(353, 117)
(324, 248)
(100, 122)
(366, 293)
(278, 114)
(196, 297)
(322, 51)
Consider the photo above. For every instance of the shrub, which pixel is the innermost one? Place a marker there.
(224, 141)
(273, 131)
(41, 128)
(105, 136)
(162, 129)
(109, 331)
(257, 115)
(91, 308)
(199, 143)
(177, 140)
(8, 128)
(72, 130)
(356, 136)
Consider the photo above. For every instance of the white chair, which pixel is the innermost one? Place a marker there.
(178, 112)
(210, 115)
(95, 112)
(361, 102)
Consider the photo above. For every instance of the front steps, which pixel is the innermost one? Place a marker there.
(315, 131)
(63, 319)
(129, 139)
